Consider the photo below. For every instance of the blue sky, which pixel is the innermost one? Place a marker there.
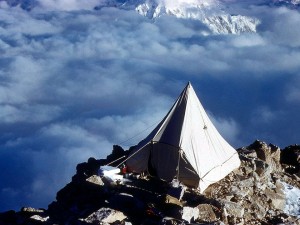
(74, 82)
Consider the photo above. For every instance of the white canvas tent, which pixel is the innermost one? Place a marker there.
(185, 145)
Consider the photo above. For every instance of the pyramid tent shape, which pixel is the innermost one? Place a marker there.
(186, 146)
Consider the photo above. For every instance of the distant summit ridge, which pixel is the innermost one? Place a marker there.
(209, 12)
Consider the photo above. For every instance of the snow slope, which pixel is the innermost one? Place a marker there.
(292, 194)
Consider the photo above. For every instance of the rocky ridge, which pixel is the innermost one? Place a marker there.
(251, 194)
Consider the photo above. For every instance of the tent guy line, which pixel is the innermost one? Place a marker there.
(139, 133)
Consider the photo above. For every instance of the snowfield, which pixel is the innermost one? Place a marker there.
(292, 194)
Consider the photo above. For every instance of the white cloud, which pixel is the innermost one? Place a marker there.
(4, 5)
(68, 5)
(264, 115)
(284, 31)
(293, 94)
(247, 40)
(18, 23)
(292, 90)
(52, 154)
(228, 128)
(28, 114)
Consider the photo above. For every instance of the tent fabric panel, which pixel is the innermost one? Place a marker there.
(219, 172)
(187, 174)
(203, 145)
(164, 160)
(171, 129)
(138, 160)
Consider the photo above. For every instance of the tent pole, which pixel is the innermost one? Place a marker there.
(179, 155)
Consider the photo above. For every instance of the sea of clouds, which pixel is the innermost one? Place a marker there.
(74, 81)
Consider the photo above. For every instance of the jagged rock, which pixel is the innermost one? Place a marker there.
(249, 153)
(117, 156)
(9, 217)
(39, 218)
(94, 179)
(105, 216)
(290, 157)
(233, 209)
(262, 168)
(33, 216)
(270, 154)
(170, 221)
(89, 168)
(277, 200)
(126, 203)
(32, 210)
(172, 200)
(258, 207)
(248, 182)
(279, 187)
(206, 213)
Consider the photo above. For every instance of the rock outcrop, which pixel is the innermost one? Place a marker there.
(251, 194)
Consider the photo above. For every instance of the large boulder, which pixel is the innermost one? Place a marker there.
(206, 213)
(262, 168)
(233, 209)
(290, 158)
(268, 153)
(94, 179)
(276, 196)
(126, 203)
(104, 216)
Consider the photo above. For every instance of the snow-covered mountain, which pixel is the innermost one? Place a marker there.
(212, 13)
(209, 12)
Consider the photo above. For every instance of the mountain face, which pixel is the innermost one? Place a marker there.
(208, 12)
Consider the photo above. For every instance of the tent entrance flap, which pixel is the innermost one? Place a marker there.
(167, 163)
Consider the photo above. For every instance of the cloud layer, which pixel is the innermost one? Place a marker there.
(73, 83)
